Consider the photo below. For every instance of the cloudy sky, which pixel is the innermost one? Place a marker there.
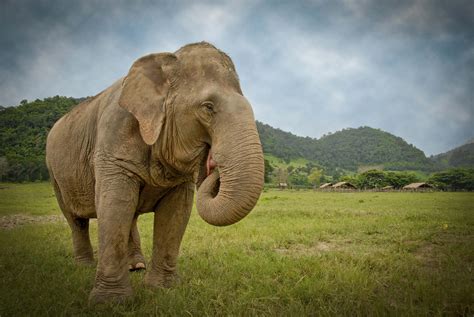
(308, 67)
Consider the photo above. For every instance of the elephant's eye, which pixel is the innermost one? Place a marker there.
(209, 106)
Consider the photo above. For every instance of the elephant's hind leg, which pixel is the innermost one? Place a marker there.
(83, 253)
(135, 255)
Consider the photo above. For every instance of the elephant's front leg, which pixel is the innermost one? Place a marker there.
(171, 219)
(116, 202)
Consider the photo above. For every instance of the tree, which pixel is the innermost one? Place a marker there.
(400, 179)
(268, 171)
(372, 179)
(314, 178)
(3, 167)
(298, 178)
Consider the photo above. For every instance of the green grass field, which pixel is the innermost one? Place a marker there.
(298, 253)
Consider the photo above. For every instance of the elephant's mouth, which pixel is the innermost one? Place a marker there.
(206, 167)
(210, 164)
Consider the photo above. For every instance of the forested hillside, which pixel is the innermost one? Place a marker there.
(348, 149)
(352, 148)
(283, 144)
(23, 137)
(23, 131)
(462, 156)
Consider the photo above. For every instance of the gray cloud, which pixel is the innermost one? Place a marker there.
(308, 67)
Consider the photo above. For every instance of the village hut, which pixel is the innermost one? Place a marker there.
(282, 185)
(325, 186)
(343, 185)
(418, 186)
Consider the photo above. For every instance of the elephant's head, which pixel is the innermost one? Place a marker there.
(192, 112)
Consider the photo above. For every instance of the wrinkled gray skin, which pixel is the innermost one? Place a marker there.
(142, 145)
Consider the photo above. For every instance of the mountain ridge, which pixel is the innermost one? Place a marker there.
(349, 149)
(461, 156)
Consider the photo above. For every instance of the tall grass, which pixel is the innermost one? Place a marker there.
(298, 253)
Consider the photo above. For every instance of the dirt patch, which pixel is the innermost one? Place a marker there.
(432, 254)
(429, 255)
(308, 250)
(12, 221)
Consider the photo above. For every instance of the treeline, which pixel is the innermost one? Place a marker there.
(313, 175)
(379, 179)
(23, 137)
(455, 179)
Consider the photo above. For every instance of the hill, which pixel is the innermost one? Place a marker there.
(462, 156)
(349, 149)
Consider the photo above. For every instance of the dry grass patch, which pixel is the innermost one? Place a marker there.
(316, 249)
(13, 221)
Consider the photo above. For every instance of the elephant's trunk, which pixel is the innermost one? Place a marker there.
(229, 194)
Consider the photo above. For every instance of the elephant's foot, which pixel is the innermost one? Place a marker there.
(137, 266)
(136, 262)
(98, 296)
(161, 279)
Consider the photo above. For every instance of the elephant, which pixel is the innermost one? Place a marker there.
(175, 123)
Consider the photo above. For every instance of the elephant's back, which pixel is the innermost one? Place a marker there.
(72, 137)
(70, 150)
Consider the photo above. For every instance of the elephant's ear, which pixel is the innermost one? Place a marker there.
(144, 93)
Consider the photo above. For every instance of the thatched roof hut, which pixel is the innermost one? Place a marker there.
(343, 185)
(325, 185)
(415, 186)
(282, 185)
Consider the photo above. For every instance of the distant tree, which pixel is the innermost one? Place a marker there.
(298, 178)
(350, 179)
(371, 179)
(314, 178)
(3, 167)
(326, 179)
(337, 174)
(268, 171)
(309, 166)
(400, 179)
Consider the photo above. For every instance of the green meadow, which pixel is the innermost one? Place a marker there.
(299, 253)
